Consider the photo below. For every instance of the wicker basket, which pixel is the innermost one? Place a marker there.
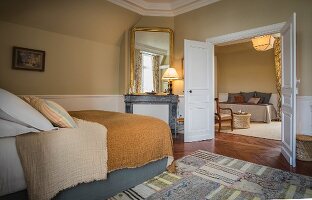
(241, 120)
(304, 147)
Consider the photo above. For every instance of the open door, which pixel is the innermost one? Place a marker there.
(288, 38)
(198, 91)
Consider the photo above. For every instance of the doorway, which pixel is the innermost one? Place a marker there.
(199, 84)
(247, 83)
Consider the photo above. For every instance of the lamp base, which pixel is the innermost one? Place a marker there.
(170, 87)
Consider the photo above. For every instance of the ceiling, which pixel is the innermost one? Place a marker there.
(168, 8)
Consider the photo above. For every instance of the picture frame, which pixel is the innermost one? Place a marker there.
(28, 59)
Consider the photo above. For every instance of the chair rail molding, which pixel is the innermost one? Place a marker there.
(116, 103)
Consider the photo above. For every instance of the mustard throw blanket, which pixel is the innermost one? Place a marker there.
(55, 160)
(132, 140)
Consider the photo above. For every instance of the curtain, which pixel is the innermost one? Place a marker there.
(278, 74)
(138, 71)
(156, 63)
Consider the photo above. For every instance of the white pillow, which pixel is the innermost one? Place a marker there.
(19, 110)
(11, 129)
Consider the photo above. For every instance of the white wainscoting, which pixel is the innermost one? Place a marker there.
(116, 103)
(97, 102)
(304, 115)
(89, 102)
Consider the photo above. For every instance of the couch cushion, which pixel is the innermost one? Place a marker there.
(254, 100)
(239, 99)
(231, 98)
(265, 97)
(248, 95)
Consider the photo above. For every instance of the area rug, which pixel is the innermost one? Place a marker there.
(257, 129)
(205, 175)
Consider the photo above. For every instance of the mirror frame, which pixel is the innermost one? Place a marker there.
(132, 46)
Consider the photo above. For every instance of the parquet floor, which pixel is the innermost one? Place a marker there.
(256, 150)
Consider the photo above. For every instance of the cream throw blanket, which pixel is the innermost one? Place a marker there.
(55, 160)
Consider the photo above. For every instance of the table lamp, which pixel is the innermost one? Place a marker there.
(170, 74)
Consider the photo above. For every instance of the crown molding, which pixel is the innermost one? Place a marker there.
(175, 8)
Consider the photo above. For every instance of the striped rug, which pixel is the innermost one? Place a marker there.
(204, 175)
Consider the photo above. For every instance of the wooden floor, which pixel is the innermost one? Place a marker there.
(256, 150)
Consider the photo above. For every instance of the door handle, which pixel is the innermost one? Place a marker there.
(190, 91)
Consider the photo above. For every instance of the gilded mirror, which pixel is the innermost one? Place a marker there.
(151, 53)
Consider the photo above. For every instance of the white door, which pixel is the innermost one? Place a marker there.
(198, 91)
(288, 38)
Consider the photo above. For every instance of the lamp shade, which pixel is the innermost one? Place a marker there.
(170, 74)
(263, 43)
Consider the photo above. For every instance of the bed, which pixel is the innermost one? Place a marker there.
(138, 147)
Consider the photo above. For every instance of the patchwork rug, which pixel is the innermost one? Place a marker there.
(205, 175)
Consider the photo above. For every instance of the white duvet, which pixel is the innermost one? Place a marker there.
(11, 171)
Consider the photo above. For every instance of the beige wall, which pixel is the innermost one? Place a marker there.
(82, 40)
(90, 39)
(228, 16)
(241, 68)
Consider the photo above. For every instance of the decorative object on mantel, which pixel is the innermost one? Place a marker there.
(170, 74)
(151, 93)
(263, 43)
(28, 59)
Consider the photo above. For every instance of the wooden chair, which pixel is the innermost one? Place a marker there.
(222, 117)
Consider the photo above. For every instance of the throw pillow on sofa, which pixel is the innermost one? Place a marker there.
(239, 99)
(254, 100)
(231, 98)
(248, 95)
(265, 97)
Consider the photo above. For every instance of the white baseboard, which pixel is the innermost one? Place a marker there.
(88, 102)
(191, 138)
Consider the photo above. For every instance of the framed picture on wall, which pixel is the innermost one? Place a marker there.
(28, 59)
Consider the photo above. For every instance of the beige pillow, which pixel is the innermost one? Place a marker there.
(254, 100)
(55, 113)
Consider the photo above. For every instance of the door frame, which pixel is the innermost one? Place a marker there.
(250, 33)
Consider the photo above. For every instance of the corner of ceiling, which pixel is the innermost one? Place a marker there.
(167, 9)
